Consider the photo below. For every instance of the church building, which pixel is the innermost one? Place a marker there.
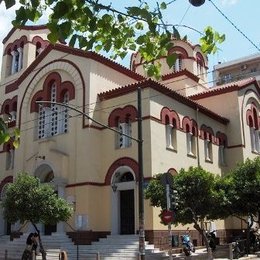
(184, 123)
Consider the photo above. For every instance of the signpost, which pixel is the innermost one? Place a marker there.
(167, 215)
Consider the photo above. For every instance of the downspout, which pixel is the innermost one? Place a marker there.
(198, 150)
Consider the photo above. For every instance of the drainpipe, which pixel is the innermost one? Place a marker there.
(198, 150)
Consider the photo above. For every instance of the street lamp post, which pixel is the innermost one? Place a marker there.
(140, 161)
(141, 177)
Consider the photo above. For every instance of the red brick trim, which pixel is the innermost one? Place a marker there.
(206, 133)
(16, 44)
(124, 161)
(221, 139)
(86, 183)
(252, 118)
(44, 43)
(120, 115)
(189, 124)
(171, 116)
(200, 59)
(89, 55)
(180, 51)
(227, 88)
(180, 73)
(149, 83)
(9, 105)
(61, 60)
(45, 93)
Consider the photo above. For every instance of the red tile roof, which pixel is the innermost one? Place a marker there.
(226, 88)
(149, 83)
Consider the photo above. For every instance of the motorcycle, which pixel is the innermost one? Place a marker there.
(212, 239)
(254, 240)
(187, 245)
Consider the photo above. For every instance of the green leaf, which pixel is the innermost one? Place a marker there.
(163, 6)
(139, 26)
(98, 48)
(9, 3)
(35, 3)
(73, 40)
(60, 9)
(171, 59)
(16, 143)
(53, 37)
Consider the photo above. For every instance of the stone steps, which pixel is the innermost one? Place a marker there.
(110, 248)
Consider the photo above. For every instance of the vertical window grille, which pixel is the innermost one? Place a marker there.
(178, 64)
(64, 115)
(54, 111)
(124, 128)
(53, 120)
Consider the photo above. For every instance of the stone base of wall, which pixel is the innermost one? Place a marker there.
(161, 240)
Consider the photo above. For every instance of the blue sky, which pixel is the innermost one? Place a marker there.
(244, 14)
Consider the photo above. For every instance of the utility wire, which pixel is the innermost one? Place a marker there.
(121, 104)
(234, 25)
(184, 15)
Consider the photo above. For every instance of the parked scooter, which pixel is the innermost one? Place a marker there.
(187, 245)
(254, 239)
(212, 239)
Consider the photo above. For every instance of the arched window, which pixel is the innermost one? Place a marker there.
(253, 123)
(171, 133)
(208, 147)
(121, 119)
(200, 65)
(171, 121)
(53, 119)
(39, 49)
(178, 64)
(125, 128)
(191, 140)
(17, 58)
(9, 164)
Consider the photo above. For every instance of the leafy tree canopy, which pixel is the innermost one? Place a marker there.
(27, 199)
(102, 26)
(241, 190)
(196, 192)
(196, 196)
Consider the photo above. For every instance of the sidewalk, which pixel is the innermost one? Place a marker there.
(201, 254)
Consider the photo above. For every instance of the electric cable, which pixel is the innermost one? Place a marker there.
(234, 25)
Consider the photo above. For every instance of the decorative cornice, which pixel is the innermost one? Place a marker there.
(149, 83)
(25, 27)
(226, 88)
(89, 55)
(183, 72)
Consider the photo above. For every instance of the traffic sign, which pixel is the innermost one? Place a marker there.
(167, 216)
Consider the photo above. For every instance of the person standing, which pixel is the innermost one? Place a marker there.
(31, 245)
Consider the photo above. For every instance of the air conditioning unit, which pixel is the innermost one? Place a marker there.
(243, 67)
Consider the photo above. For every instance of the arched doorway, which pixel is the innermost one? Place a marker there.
(123, 201)
(45, 173)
